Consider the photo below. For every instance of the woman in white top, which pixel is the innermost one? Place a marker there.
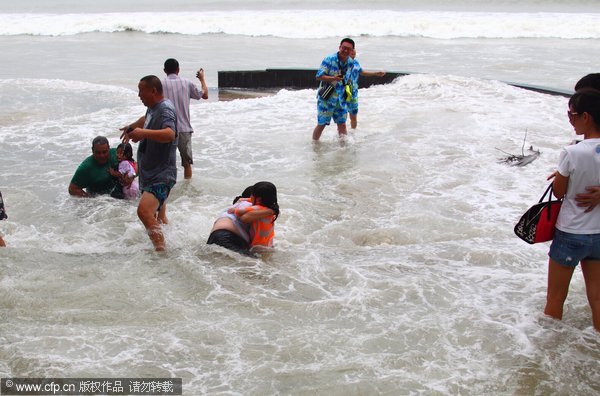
(577, 236)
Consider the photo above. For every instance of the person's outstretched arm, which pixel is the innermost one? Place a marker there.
(372, 74)
(253, 213)
(165, 135)
(136, 124)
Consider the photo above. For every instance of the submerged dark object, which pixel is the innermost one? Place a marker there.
(2, 210)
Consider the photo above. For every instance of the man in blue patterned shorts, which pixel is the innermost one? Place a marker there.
(156, 132)
(333, 71)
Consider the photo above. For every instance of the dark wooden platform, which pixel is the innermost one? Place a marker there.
(271, 79)
(288, 78)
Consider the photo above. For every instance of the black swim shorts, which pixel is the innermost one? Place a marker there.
(229, 240)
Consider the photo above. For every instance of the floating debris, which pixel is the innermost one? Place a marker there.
(520, 160)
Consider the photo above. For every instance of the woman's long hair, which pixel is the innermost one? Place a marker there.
(267, 192)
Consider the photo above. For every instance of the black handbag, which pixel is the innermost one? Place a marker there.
(538, 223)
(326, 91)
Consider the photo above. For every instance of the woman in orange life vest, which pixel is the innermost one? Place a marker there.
(261, 215)
(249, 222)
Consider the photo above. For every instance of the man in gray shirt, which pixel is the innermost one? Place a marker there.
(157, 151)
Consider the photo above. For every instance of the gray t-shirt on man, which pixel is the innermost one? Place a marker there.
(157, 161)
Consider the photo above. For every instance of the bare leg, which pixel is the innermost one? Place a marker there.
(342, 129)
(559, 278)
(2, 243)
(353, 121)
(162, 214)
(591, 274)
(318, 131)
(187, 171)
(184, 145)
(146, 212)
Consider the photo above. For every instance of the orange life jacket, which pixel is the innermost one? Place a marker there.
(262, 231)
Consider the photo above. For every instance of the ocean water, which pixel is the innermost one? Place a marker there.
(395, 270)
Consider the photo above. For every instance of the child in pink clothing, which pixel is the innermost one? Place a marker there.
(127, 171)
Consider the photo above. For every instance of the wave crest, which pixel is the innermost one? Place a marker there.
(311, 24)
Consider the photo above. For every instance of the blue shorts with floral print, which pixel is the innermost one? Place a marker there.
(328, 109)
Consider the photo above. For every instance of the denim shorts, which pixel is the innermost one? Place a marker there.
(569, 249)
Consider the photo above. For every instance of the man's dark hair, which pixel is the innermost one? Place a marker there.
(347, 40)
(592, 81)
(99, 140)
(153, 82)
(171, 66)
